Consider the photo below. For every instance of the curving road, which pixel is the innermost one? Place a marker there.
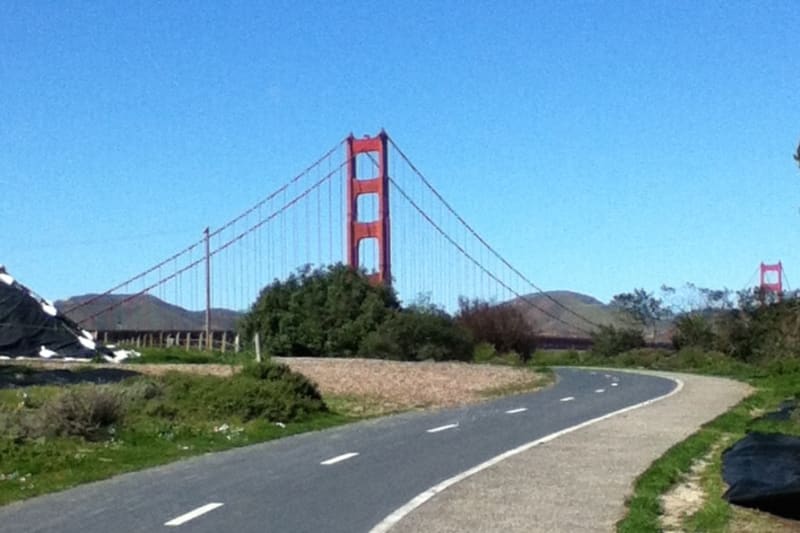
(347, 479)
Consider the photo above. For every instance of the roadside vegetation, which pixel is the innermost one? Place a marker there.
(56, 436)
(336, 312)
(756, 340)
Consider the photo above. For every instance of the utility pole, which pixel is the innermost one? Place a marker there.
(208, 290)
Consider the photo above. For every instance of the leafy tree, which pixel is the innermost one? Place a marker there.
(504, 326)
(643, 307)
(700, 317)
(716, 299)
(336, 311)
(320, 312)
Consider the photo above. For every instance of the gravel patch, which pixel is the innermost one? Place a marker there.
(413, 384)
(395, 385)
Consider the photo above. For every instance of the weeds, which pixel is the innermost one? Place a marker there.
(87, 412)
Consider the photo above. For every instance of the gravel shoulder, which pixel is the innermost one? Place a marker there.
(579, 481)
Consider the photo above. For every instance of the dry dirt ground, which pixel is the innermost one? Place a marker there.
(686, 497)
(362, 386)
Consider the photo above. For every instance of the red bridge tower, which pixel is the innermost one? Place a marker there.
(358, 230)
(769, 283)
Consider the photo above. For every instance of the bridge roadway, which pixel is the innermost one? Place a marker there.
(346, 479)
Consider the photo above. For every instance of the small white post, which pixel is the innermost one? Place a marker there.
(257, 342)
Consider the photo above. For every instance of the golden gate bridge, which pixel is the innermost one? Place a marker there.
(364, 203)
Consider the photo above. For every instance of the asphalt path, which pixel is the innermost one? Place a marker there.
(346, 479)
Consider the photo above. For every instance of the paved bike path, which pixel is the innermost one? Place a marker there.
(578, 482)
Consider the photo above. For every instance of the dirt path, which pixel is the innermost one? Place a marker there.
(578, 482)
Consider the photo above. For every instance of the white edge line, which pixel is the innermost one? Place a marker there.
(182, 519)
(387, 523)
(339, 458)
(441, 428)
(517, 410)
(567, 399)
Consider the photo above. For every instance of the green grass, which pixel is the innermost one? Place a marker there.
(160, 419)
(644, 507)
(57, 464)
(686, 360)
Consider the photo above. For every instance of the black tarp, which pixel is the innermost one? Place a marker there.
(763, 471)
(31, 327)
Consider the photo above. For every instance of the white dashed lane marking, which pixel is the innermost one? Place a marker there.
(615, 384)
(182, 519)
(600, 390)
(442, 428)
(339, 458)
(517, 410)
(567, 399)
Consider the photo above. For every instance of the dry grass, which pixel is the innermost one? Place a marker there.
(745, 520)
(375, 387)
(687, 496)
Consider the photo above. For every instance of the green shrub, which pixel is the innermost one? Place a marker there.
(267, 370)
(86, 412)
(643, 357)
(504, 326)
(484, 352)
(250, 399)
(265, 391)
(419, 333)
(295, 383)
(559, 357)
(693, 330)
(609, 341)
(759, 332)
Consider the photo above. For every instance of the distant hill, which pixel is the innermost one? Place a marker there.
(148, 313)
(144, 313)
(583, 304)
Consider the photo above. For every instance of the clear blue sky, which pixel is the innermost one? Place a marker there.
(600, 146)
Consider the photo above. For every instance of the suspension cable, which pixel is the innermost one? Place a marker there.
(483, 241)
(478, 263)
